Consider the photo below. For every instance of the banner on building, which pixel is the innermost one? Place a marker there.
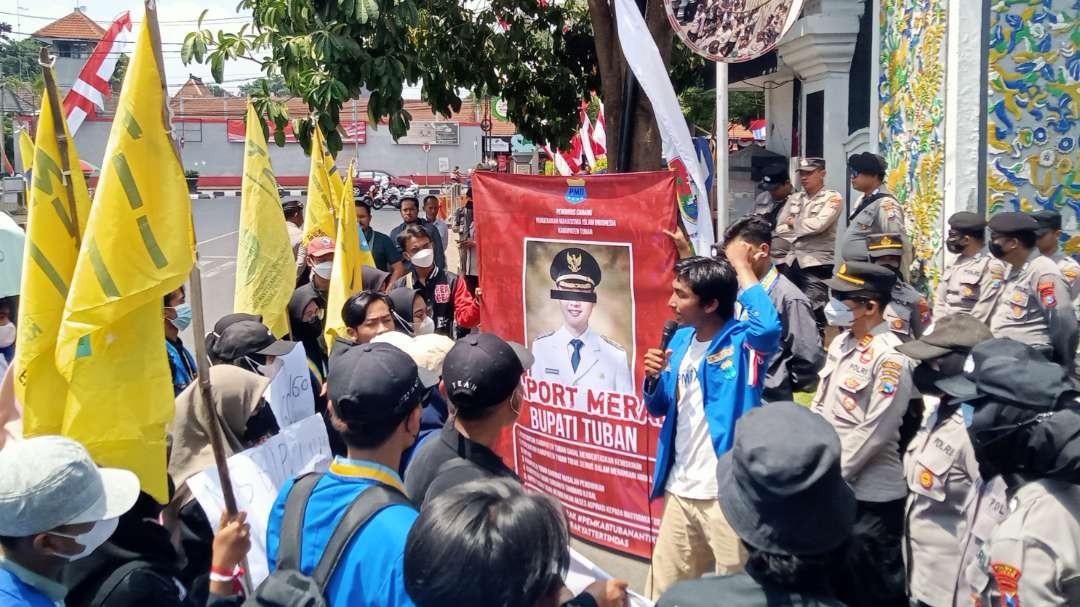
(578, 270)
(431, 133)
(354, 131)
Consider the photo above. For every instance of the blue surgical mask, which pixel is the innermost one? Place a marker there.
(969, 413)
(183, 316)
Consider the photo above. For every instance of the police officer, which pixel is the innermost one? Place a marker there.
(808, 222)
(864, 392)
(908, 312)
(1033, 306)
(575, 354)
(1048, 236)
(876, 212)
(939, 464)
(1024, 424)
(971, 282)
(775, 186)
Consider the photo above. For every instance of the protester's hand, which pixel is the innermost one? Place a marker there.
(608, 593)
(468, 243)
(744, 255)
(682, 245)
(232, 542)
(656, 361)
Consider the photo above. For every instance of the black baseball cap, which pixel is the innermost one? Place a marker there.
(953, 333)
(375, 381)
(482, 370)
(773, 176)
(248, 337)
(290, 205)
(974, 384)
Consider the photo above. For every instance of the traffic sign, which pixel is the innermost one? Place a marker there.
(426, 147)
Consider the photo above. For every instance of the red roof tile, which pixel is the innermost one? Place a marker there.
(75, 26)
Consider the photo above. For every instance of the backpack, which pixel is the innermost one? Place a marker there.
(287, 586)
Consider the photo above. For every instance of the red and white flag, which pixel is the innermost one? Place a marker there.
(566, 163)
(90, 90)
(599, 134)
(585, 135)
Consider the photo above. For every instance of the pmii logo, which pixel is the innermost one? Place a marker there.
(575, 191)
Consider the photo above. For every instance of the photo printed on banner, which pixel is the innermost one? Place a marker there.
(731, 30)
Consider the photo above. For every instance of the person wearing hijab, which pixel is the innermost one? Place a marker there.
(307, 317)
(374, 279)
(410, 311)
(245, 420)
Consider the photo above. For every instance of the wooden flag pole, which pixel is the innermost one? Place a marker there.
(52, 93)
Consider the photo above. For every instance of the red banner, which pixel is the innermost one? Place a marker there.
(578, 270)
(355, 132)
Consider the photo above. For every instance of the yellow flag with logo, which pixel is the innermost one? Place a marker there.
(265, 266)
(26, 149)
(138, 246)
(322, 194)
(351, 254)
(55, 221)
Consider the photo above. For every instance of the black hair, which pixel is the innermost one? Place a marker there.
(412, 198)
(292, 211)
(807, 573)
(360, 203)
(169, 296)
(710, 280)
(487, 543)
(431, 197)
(1027, 239)
(370, 433)
(883, 299)
(354, 312)
(754, 229)
(411, 231)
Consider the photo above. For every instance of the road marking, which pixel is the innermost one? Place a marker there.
(226, 235)
(212, 272)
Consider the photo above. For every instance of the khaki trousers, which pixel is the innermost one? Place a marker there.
(694, 539)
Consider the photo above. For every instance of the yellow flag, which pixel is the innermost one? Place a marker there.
(265, 266)
(26, 149)
(351, 253)
(138, 246)
(54, 229)
(322, 194)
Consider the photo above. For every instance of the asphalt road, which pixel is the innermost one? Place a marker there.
(216, 226)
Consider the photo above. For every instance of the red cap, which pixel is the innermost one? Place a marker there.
(321, 245)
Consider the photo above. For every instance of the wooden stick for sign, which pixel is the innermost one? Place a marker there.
(52, 93)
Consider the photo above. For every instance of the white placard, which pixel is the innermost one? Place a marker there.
(444, 164)
(289, 393)
(584, 572)
(257, 476)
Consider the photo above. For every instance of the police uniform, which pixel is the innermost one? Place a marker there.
(773, 177)
(1049, 221)
(876, 212)
(1028, 308)
(864, 392)
(971, 283)
(908, 312)
(985, 507)
(590, 360)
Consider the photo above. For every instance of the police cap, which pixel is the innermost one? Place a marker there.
(966, 221)
(1013, 223)
(291, 205)
(884, 245)
(576, 275)
(1048, 220)
(773, 176)
(867, 163)
(811, 164)
(862, 277)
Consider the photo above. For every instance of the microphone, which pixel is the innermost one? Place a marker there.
(665, 338)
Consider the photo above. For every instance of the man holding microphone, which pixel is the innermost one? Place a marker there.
(711, 375)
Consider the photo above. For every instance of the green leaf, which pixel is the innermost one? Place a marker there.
(202, 16)
(199, 49)
(217, 67)
(188, 48)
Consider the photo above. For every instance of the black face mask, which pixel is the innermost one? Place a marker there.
(954, 245)
(261, 425)
(925, 377)
(996, 250)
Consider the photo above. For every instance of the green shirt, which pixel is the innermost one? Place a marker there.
(383, 249)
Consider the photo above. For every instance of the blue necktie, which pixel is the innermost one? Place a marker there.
(575, 358)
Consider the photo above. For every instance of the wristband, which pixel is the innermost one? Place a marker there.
(217, 577)
(217, 574)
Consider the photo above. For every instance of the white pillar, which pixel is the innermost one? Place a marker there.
(721, 175)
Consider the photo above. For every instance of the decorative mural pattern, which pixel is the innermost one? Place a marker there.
(912, 95)
(1033, 152)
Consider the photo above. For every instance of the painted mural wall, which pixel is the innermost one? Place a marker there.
(1033, 151)
(911, 92)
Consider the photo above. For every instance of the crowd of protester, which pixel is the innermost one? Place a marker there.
(936, 461)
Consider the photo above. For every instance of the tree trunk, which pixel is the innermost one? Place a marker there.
(645, 155)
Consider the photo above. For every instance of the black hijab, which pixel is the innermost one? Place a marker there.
(401, 307)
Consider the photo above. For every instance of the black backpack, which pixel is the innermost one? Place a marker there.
(287, 586)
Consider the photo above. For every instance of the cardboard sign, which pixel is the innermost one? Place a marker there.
(289, 393)
(257, 477)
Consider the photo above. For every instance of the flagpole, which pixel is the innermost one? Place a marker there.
(53, 95)
(722, 156)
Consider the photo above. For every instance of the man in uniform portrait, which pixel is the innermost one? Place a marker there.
(575, 354)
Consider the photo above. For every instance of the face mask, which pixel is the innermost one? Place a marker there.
(837, 314)
(91, 540)
(424, 258)
(954, 246)
(427, 327)
(260, 426)
(183, 316)
(323, 269)
(925, 378)
(7, 334)
(270, 370)
(996, 250)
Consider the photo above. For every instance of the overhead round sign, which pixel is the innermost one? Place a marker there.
(732, 31)
(499, 108)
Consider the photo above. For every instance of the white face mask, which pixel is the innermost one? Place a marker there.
(91, 540)
(323, 269)
(837, 314)
(7, 334)
(423, 258)
(426, 327)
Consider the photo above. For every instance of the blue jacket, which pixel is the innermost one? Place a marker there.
(731, 377)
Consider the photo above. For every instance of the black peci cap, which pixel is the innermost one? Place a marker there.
(1013, 223)
(482, 370)
(867, 163)
(859, 276)
(375, 381)
(773, 176)
(290, 205)
(576, 275)
(966, 221)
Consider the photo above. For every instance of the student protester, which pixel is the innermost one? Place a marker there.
(488, 543)
(219, 327)
(307, 320)
(410, 215)
(56, 506)
(453, 309)
(794, 367)
(245, 420)
(366, 315)
(710, 376)
(972, 281)
(250, 345)
(939, 464)
(410, 311)
(294, 224)
(374, 392)
(374, 279)
(1024, 423)
(431, 214)
(383, 249)
(181, 362)
(864, 392)
(783, 470)
(319, 260)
